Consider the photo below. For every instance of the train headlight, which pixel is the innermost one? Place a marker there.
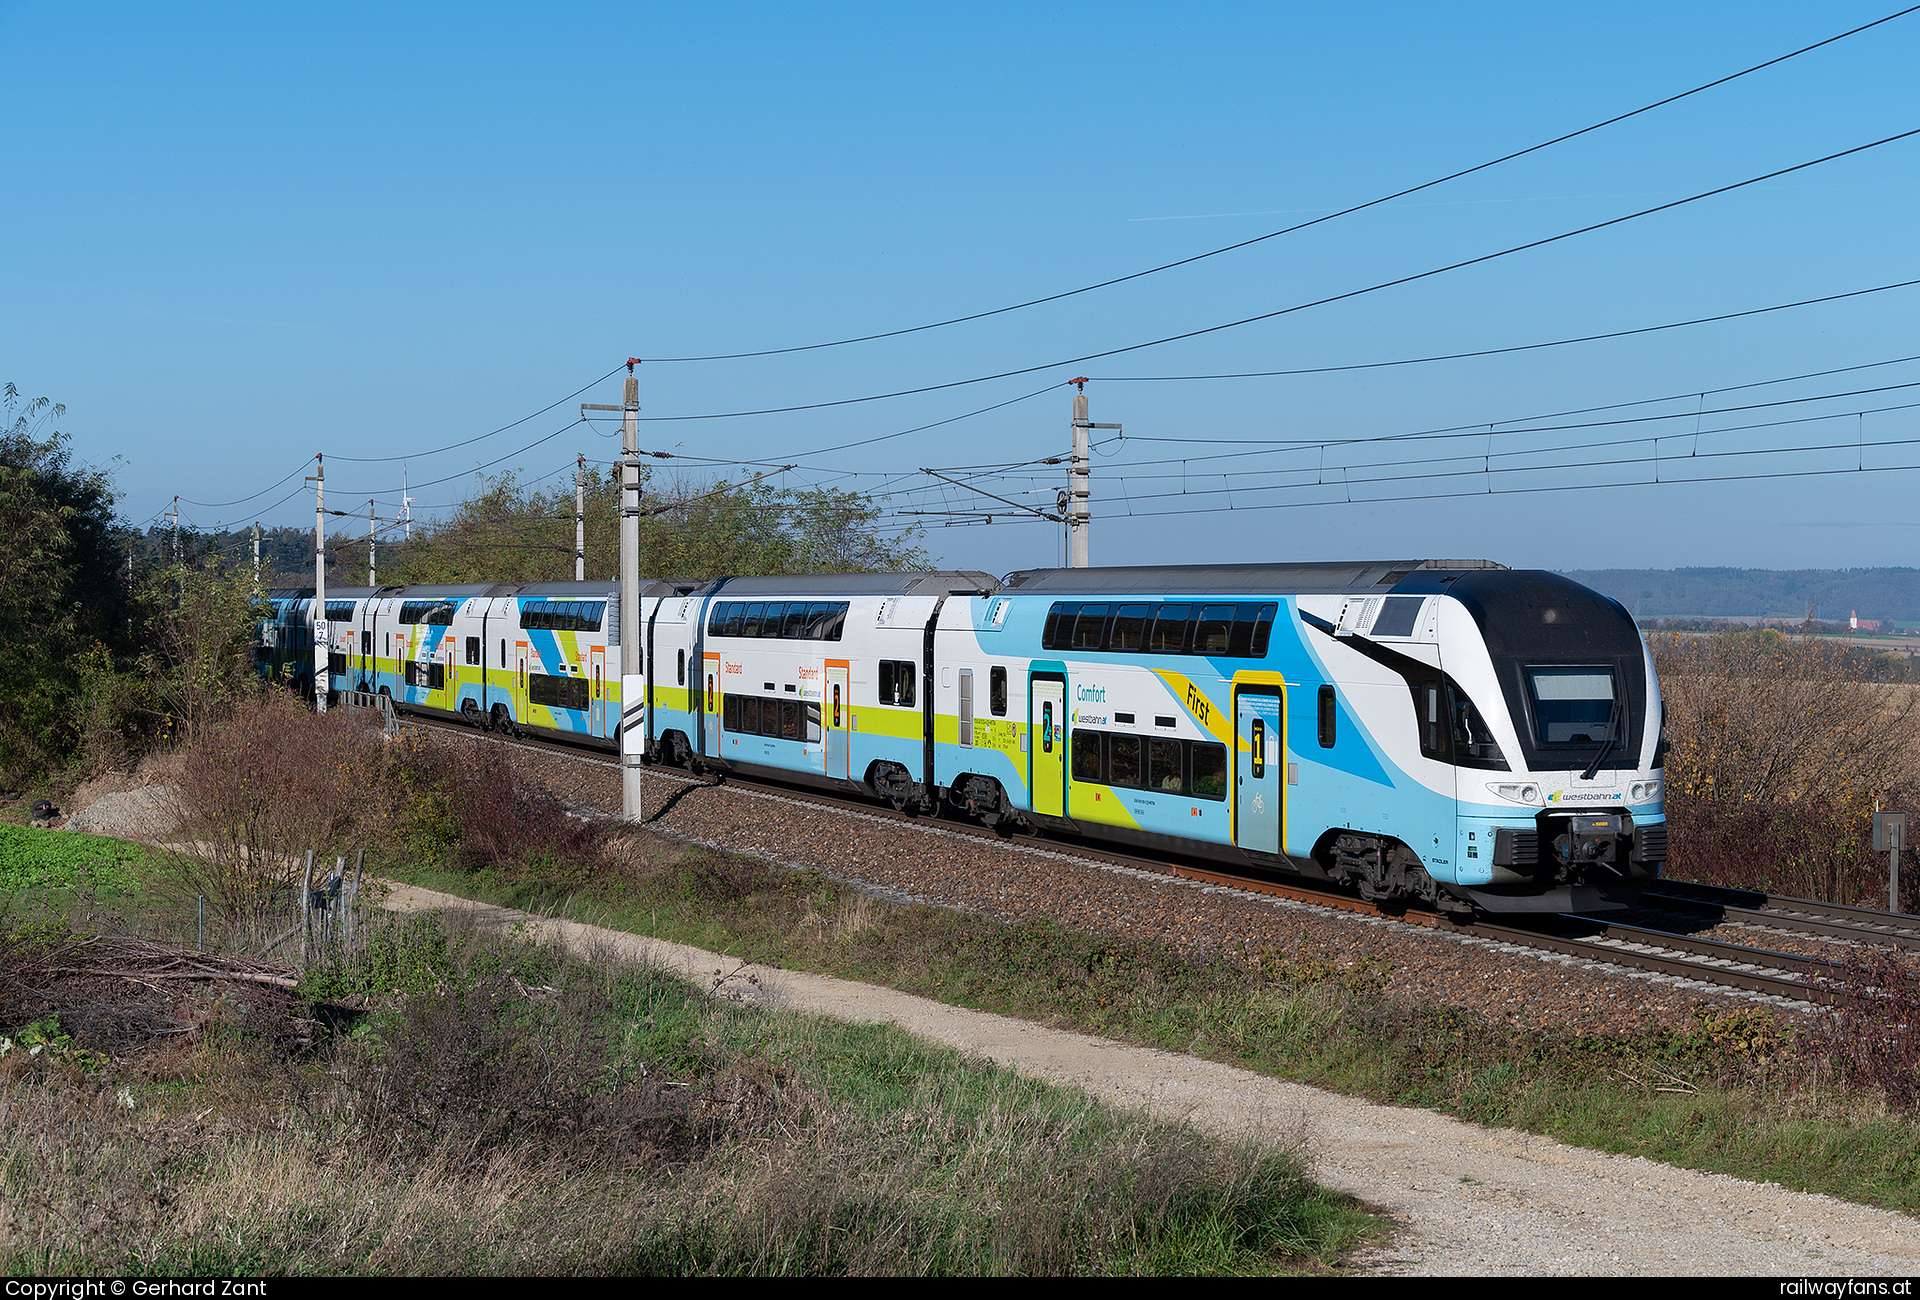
(1519, 792)
(1645, 791)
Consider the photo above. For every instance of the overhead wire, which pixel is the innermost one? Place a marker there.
(1494, 352)
(1319, 220)
(1302, 306)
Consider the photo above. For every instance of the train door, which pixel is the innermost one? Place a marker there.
(1259, 760)
(966, 707)
(1047, 748)
(710, 705)
(597, 665)
(836, 714)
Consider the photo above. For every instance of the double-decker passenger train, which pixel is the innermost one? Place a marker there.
(1446, 731)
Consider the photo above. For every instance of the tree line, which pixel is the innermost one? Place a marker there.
(121, 636)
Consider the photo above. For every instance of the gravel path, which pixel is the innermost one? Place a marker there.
(1470, 1200)
(1021, 880)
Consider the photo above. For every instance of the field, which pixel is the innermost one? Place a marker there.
(445, 1102)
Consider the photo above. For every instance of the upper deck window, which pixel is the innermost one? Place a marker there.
(785, 620)
(1239, 631)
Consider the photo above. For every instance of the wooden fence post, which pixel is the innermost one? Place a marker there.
(306, 911)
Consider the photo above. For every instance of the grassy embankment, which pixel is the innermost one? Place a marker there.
(1739, 1092)
(496, 1107)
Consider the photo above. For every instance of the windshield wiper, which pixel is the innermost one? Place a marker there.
(1613, 731)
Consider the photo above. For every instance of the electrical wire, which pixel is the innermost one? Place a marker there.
(1320, 220)
(221, 505)
(1299, 307)
(1494, 352)
(454, 446)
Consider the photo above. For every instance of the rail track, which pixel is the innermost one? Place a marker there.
(1665, 949)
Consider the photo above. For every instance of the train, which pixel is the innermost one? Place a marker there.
(1453, 734)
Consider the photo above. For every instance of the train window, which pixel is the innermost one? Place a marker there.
(473, 649)
(774, 616)
(1246, 624)
(896, 681)
(1090, 629)
(1170, 630)
(1257, 749)
(795, 627)
(813, 722)
(1433, 735)
(790, 719)
(1166, 766)
(503, 652)
(817, 616)
(997, 691)
(750, 623)
(680, 667)
(1129, 628)
(1397, 615)
(1572, 706)
(1213, 634)
(1262, 631)
(1086, 756)
(1058, 632)
(837, 621)
(1123, 760)
(730, 712)
(557, 692)
(1327, 715)
(1473, 742)
(1209, 770)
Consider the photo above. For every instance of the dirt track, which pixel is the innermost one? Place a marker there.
(1471, 1200)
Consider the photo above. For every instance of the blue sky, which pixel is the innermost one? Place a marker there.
(241, 234)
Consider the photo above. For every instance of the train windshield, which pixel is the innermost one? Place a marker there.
(1572, 705)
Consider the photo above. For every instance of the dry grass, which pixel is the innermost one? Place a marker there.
(508, 1109)
(1780, 755)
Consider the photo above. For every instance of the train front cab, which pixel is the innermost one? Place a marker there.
(1570, 815)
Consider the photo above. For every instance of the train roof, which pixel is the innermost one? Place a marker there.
(571, 590)
(944, 583)
(1339, 577)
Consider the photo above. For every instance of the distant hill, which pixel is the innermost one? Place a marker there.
(1888, 594)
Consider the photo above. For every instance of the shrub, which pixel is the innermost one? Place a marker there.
(1780, 753)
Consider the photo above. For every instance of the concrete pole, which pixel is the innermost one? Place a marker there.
(406, 502)
(372, 581)
(1078, 515)
(256, 559)
(321, 639)
(633, 699)
(580, 518)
